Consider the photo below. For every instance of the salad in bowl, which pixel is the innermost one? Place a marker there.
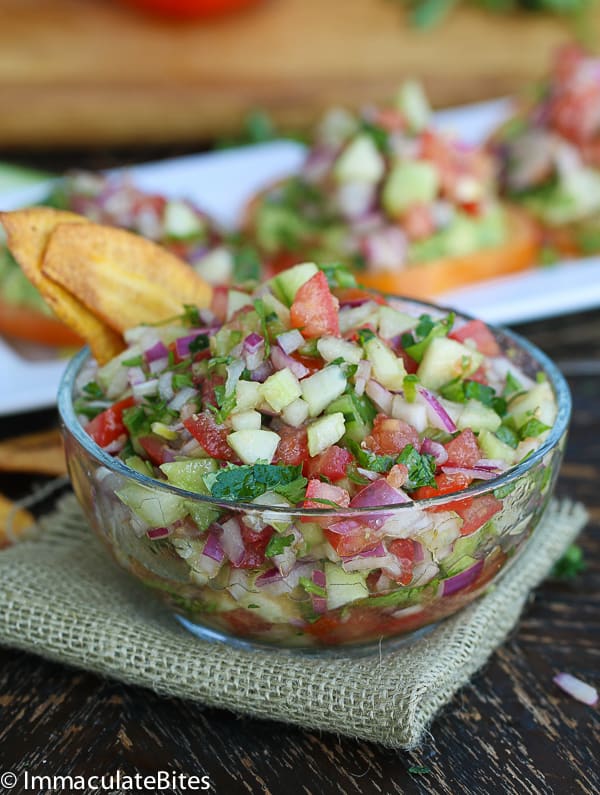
(309, 464)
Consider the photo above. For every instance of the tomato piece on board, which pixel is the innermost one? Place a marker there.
(354, 296)
(255, 545)
(483, 338)
(211, 436)
(332, 464)
(318, 495)
(293, 446)
(446, 484)
(315, 310)
(463, 451)
(108, 426)
(480, 511)
(390, 436)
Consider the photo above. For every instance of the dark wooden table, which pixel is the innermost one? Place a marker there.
(509, 731)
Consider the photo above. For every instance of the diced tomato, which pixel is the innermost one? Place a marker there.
(315, 310)
(155, 448)
(211, 436)
(207, 388)
(397, 476)
(255, 545)
(477, 513)
(483, 338)
(356, 296)
(446, 484)
(312, 363)
(332, 464)
(357, 540)
(316, 493)
(245, 623)
(293, 447)
(410, 365)
(390, 119)
(404, 551)
(479, 375)
(218, 303)
(463, 451)
(390, 436)
(361, 624)
(108, 426)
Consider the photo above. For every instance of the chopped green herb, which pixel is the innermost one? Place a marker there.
(199, 343)
(410, 387)
(191, 315)
(364, 335)
(277, 544)
(338, 275)
(540, 377)
(253, 606)
(181, 379)
(217, 360)
(294, 491)
(368, 460)
(135, 361)
(415, 344)
(512, 385)
(533, 427)
(136, 421)
(507, 433)
(246, 264)
(93, 390)
(419, 770)
(246, 482)
(570, 565)
(459, 391)
(421, 467)
(311, 587)
(225, 404)
(261, 311)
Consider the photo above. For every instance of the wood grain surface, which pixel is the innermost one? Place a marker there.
(93, 72)
(509, 731)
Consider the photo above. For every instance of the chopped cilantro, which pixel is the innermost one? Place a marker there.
(507, 433)
(246, 482)
(570, 565)
(421, 467)
(512, 385)
(540, 377)
(261, 311)
(410, 387)
(532, 427)
(419, 770)
(368, 460)
(353, 475)
(225, 404)
(90, 410)
(459, 391)
(217, 360)
(277, 544)
(136, 421)
(199, 343)
(181, 379)
(378, 134)
(93, 390)
(311, 587)
(364, 335)
(253, 606)
(416, 343)
(191, 316)
(246, 264)
(338, 275)
(294, 491)
(135, 361)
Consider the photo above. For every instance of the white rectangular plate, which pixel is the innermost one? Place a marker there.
(222, 182)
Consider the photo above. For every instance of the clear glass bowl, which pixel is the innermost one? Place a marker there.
(277, 613)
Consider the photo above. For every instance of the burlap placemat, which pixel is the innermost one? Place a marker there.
(63, 598)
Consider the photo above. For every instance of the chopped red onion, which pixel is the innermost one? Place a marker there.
(368, 473)
(290, 341)
(385, 249)
(158, 351)
(182, 397)
(380, 396)
(182, 344)
(253, 350)
(213, 548)
(158, 532)
(233, 544)
(378, 493)
(281, 360)
(165, 385)
(577, 688)
(496, 464)
(438, 415)
(475, 473)
(437, 450)
(461, 580)
(262, 372)
(362, 375)
(135, 375)
(319, 603)
(158, 365)
(116, 445)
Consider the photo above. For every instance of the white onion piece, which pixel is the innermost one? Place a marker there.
(234, 372)
(182, 397)
(576, 688)
(158, 365)
(165, 385)
(380, 396)
(362, 375)
(290, 341)
(145, 389)
(232, 541)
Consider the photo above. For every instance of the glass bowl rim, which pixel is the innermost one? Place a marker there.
(115, 465)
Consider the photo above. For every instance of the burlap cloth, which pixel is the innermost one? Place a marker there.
(63, 598)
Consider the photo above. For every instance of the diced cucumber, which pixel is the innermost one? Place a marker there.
(141, 466)
(247, 395)
(411, 100)
(216, 266)
(313, 534)
(324, 432)
(461, 237)
(189, 475)
(236, 300)
(332, 348)
(320, 389)
(357, 426)
(388, 368)
(410, 182)
(478, 418)
(296, 413)
(280, 521)
(538, 403)
(361, 161)
(413, 413)
(464, 548)
(253, 446)
(156, 509)
(181, 221)
(286, 284)
(273, 304)
(249, 420)
(392, 323)
(224, 340)
(343, 587)
(492, 447)
(356, 316)
(280, 389)
(445, 359)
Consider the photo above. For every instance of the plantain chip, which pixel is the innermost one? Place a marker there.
(16, 524)
(124, 279)
(28, 233)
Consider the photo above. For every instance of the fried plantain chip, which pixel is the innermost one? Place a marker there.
(28, 233)
(121, 277)
(16, 524)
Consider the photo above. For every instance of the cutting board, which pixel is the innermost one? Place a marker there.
(92, 72)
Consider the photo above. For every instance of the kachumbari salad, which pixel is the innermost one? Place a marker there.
(549, 153)
(298, 408)
(389, 195)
